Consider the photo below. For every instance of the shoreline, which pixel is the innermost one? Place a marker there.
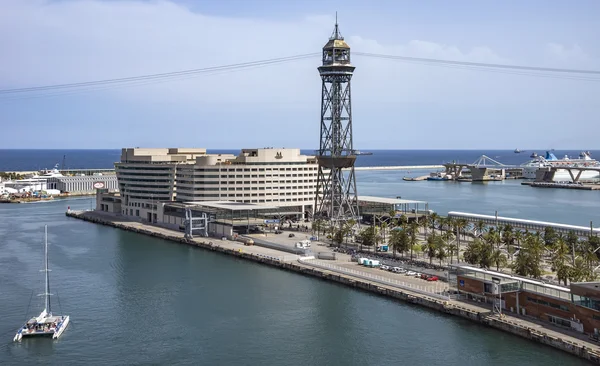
(56, 198)
(522, 327)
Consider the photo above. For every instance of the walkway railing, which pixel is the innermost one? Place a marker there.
(439, 291)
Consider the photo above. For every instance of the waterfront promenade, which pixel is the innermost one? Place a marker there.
(387, 284)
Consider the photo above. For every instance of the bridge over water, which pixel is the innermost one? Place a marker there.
(483, 169)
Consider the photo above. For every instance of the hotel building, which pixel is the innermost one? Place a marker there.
(269, 176)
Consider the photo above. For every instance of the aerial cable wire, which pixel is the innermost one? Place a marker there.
(71, 88)
(135, 83)
(502, 71)
(479, 64)
(161, 75)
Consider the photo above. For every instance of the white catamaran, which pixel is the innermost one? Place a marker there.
(45, 324)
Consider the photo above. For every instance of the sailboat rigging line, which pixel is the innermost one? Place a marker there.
(28, 305)
(48, 309)
(58, 300)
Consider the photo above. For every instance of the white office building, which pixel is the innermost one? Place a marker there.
(269, 176)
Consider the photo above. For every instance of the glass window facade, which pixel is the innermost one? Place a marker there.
(586, 302)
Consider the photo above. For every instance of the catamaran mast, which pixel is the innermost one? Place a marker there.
(47, 294)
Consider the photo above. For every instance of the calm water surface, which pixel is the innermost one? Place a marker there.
(136, 300)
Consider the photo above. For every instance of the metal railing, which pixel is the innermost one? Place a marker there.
(438, 291)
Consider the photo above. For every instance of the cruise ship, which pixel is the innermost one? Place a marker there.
(562, 175)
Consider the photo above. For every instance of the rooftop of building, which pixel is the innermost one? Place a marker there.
(232, 206)
(388, 201)
(517, 222)
(201, 157)
(505, 277)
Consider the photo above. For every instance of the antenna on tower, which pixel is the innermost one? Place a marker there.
(336, 31)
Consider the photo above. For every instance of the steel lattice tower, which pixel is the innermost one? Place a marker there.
(336, 198)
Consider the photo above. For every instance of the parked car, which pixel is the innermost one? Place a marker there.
(432, 278)
(424, 276)
(411, 273)
(417, 275)
(385, 268)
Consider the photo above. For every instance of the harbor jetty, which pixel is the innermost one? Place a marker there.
(336, 271)
(568, 185)
(399, 167)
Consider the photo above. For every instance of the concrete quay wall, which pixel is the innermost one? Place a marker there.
(448, 307)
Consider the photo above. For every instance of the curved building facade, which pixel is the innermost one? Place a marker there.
(271, 176)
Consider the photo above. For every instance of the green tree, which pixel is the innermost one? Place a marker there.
(572, 241)
(550, 237)
(399, 240)
(433, 221)
(447, 238)
(529, 259)
(472, 252)
(478, 253)
(384, 226)
(369, 236)
(412, 236)
(440, 251)
(433, 243)
(498, 259)
(493, 238)
(425, 225)
(481, 228)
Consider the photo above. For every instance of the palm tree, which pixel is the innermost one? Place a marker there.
(572, 240)
(349, 228)
(508, 236)
(395, 241)
(440, 251)
(493, 238)
(559, 260)
(498, 258)
(425, 225)
(447, 238)
(384, 226)
(413, 239)
(460, 225)
(432, 245)
(529, 260)
(481, 228)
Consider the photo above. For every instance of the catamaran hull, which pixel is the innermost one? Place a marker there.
(61, 328)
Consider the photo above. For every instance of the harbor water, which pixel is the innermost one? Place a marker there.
(137, 300)
(140, 300)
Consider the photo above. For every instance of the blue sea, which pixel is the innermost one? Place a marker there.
(30, 159)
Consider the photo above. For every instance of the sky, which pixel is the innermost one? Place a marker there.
(396, 105)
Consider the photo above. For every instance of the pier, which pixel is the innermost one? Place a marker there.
(547, 174)
(341, 271)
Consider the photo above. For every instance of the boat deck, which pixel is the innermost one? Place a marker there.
(45, 327)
